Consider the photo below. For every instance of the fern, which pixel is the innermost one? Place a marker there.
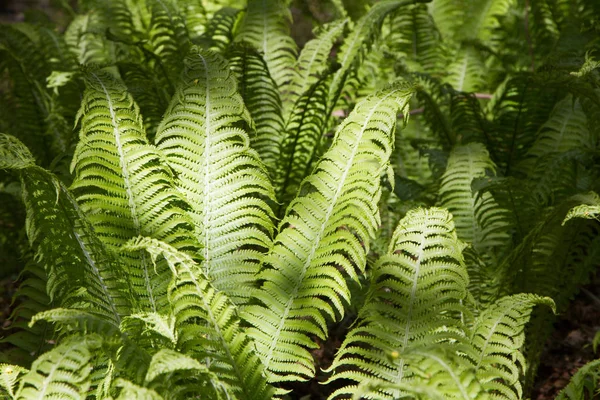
(223, 180)
(415, 289)
(266, 27)
(479, 220)
(143, 200)
(219, 338)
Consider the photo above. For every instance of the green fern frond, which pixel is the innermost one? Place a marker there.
(219, 338)
(415, 290)
(266, 26)
(130, 390)
(85, 36)
(497, 340)
(357, 43)
(326, 231)
(220, 29)
(413, 35)
(565, 130)
(63, 372)
(312, 62)
(31, 298)
(221, 177)
(584, 384)
(303, 136)
(122, 186)
(261, 96)
(467, 70)
(55, 227)
(9, 375)
(168, 35)
(479, 220)
(590, 209)
(194, 16)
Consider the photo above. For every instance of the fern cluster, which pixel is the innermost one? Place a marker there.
(229, 203)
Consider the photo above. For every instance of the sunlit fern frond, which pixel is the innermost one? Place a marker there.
(479, 220)
(416, 290)
(312, 62)
(497, 342)
(63, 372)
(121, 184)
(129, 390)
(324, 235)
(303, 135)
(221, 177)
(266, 26)
(207, 324)
(177, 375)
(261, 96)
(442, 374)
(219, 30)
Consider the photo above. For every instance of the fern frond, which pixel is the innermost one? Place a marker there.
(62, 372)
(416, 289)
(122, 186)
(55, 227)
(221, 177)
(497, 340)
(266, 26)
(589, 210)
(169, 37)
(130, 390)
(584, 384)
(261, 96)
(358, 42)
(219, 337)
(193, 14)
(85, 36)
(219, 31)
(479, 220)
(303, 135)
(9, 375)
(467, 70)
(326, 230)
(312, 62)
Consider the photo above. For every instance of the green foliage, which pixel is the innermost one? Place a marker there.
(238, 204)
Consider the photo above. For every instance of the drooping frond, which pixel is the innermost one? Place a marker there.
(63, 240)
(63, 372)
(266, 26)
(326, 231)
(497, 340)
(207, 324)
(312, 62)
(261, 96)
(85, 36)
(221, 177)
(416, 290)
(303, 134)
(479, 220)
(357, 43)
